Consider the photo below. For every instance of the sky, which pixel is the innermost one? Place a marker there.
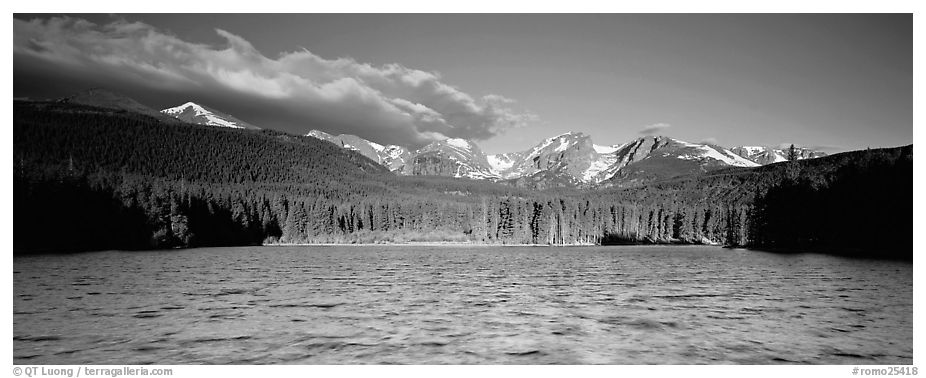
(835, 82)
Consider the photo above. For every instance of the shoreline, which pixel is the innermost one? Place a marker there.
(471, 244)
(418, 244)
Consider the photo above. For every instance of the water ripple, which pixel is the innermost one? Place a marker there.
(450, 305)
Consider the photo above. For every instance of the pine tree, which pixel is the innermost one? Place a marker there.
(792, 153)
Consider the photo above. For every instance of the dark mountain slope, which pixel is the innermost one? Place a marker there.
(104, 98)
(87, 139)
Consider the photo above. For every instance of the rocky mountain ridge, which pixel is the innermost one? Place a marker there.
(567, 160)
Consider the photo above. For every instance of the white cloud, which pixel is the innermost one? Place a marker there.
(655, 128)
(389, 103)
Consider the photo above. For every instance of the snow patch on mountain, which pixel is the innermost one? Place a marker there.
(397, 158)
(545, 143)
(604, 149)
(684, 143)
(458, 143)
(777, 157)
(321, 135)
(753, 149)
(725, 156)
(692, 151)
(500, 162)
(200, 115)
(453, 157)
(394, 151)
(593, 173)
(393, 157)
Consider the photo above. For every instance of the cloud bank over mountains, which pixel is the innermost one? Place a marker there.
(296, 91)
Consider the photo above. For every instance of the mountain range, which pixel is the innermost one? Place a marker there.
(570, 160)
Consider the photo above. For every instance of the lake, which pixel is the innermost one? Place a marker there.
(460, 305)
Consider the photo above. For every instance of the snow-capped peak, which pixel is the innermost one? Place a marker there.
(198, 111)
(194, 113)
(564, 141)
(189, 105)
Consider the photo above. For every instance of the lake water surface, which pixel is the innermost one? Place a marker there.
(466, 305)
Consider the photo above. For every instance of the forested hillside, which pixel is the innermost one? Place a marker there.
(90, 178)
(857, 203)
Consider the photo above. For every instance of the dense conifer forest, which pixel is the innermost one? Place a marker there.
(88, 178)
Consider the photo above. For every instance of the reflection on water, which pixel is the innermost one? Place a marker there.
(480, 305)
